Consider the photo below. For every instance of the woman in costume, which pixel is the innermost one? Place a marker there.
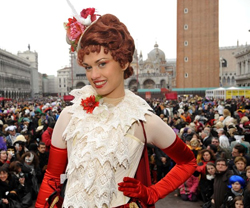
(99, 141)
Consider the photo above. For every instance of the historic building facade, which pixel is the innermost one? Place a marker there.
(19, 76)
(243, 67)
(197, 44)
(228, 64)
(15, 76)
(32, 58)
(152, 73)
(65, 80)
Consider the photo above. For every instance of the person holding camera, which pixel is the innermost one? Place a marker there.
(10, 188)
(26, 194)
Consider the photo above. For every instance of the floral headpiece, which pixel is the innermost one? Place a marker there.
(77, 25)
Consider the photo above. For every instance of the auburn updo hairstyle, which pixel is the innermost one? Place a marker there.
(113, 35)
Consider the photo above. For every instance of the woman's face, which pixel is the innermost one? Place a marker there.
(236, 186)
(239, 204)
(248, 173)
(206, 156)
(240, 165)
(210, 169)
(195, 136)
(12, 133)
(3, 155)
(3, 176)
(18, 147)
(105, 74)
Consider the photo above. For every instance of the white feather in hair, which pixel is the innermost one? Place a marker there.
(86, 21)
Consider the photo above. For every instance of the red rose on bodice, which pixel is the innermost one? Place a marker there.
(89, 103)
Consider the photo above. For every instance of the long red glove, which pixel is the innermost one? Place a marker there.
(56, 166)
(184, 168)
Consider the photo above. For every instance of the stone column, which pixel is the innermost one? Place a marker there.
(238, 69)
(242, 68)
(246, 66)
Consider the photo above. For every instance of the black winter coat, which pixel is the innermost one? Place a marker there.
(220, 187)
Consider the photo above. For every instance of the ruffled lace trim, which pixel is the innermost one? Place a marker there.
(97, 146)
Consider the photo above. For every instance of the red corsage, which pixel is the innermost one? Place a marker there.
(90, 103)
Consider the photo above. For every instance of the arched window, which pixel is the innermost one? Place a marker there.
(233, 81)
(228, 80)
(224, 81)
(224, 62)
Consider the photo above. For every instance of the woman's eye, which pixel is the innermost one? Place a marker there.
(88, 67)
(102, 64)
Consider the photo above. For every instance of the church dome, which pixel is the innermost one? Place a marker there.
(156, 54)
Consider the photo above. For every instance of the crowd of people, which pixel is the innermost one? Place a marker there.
(25, 137)
(217, 132)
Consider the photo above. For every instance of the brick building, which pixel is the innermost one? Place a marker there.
(197, 63)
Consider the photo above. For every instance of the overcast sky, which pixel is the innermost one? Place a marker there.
(40, 24)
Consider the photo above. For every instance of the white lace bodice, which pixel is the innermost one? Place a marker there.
(101, 149)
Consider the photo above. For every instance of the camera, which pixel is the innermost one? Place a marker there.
(21, 175)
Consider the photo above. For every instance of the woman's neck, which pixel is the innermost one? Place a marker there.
(113, 101)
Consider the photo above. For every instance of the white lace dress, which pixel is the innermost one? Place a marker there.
(101, 150)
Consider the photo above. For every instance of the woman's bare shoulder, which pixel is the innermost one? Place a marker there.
(158, 132)
(61, 124)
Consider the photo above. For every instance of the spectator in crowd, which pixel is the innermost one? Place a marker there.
(239, 167)
(4, 156)
(195, 146)
(38, 133)
(47, 134)
(227, 117)
(247, 189)
(198, 125)
(238, 150)
(224, 141)
(43, 157)
(20, 147)
(26, 193)
(238, 202)
(221, 181)
(220, 108)
(10, 189)
(240, 139)
(235, 188)
(12, 134)
(188, 190)
(247, 173)
(206, 187)
(30, 166)
(163, 163)
(206, 139)
(207, 157)
(1, 128)
(213, 148)
(221, 152)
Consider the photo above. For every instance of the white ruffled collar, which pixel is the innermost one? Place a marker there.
(106, 111)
